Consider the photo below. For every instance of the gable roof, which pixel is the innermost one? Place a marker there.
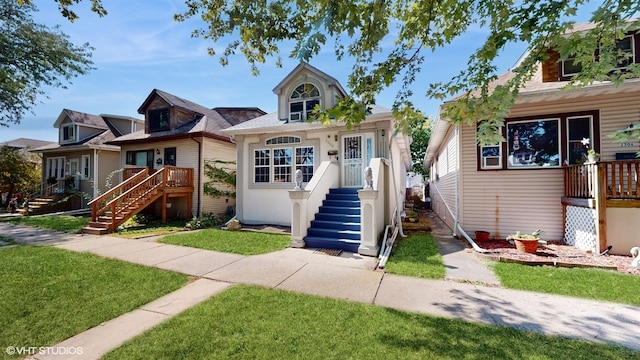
(80, 118)
(207, 122)
(303, 66)
(173, 101)
(270, 123)
(237, 115)
(535, 90)
(25, 143)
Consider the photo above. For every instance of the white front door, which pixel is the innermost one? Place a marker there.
(74, 167)
(353, 159)
(74, 171)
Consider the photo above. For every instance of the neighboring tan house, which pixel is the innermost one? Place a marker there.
(539, 178)
(310, 177)
(178, 138)
(81, 160)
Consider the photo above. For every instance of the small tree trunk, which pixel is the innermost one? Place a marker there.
(9, 195)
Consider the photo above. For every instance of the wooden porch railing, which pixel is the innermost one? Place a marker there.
(129, 172)
(138, 191)
(101, 201)
(140, 195)
(620, 179)
(179, 176)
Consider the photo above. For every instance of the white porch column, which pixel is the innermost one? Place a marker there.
(298, 216)
(369, 235)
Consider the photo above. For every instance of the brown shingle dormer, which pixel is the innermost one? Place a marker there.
(550, 68)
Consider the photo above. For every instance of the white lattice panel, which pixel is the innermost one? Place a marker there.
(580, 227)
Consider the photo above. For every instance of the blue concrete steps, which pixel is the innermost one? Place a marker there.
(337, 223)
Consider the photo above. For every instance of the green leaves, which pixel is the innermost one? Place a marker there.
(388, 41)
(33, 56)
(222, 178)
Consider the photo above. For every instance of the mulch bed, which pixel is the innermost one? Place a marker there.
(557, 254)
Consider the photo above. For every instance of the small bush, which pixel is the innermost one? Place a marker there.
(207, 221)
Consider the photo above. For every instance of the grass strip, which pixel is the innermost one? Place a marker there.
(66, 223)
(416, 255)
(236, 242)
(257, 323)
(596, 284)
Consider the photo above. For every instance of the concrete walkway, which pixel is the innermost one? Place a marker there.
(459, 262)
(350, 277)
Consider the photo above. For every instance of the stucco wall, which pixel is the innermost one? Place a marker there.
(270, 203)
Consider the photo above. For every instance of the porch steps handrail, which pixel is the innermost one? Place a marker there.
(132, 197)
(125, 184)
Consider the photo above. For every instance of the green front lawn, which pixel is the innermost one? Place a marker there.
(416, 255)
(257, 323)
(66, 223)
(577, 282)
(50, 294)
(236, 242)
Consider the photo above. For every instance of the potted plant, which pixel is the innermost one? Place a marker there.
(413, 217)
(482, 235)
(527, 243)
(592, 155)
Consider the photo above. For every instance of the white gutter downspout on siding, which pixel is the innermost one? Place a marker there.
(456, 216)
(199, 170)
(456, 225)
(95, 173)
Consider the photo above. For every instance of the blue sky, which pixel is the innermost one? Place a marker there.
(139, 47)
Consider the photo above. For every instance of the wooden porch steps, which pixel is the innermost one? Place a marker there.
(133, 195)
(105, 223)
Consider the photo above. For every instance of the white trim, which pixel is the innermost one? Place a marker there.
(72, 162)
(55, 167)
(85, 167)
(74, 130)
(483, 159)
(569, 141)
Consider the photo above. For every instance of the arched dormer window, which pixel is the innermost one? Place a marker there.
(302, 101)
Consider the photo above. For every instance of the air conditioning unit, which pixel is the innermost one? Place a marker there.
(295, 116)
(491, 162)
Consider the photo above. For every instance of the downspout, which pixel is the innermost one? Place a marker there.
(385, 251)
(395, 191)
(457, 225)
(456, 216)
(199, 176)
(95, 173)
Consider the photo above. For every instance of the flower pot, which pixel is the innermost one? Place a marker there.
(482, 235)
(527, 245)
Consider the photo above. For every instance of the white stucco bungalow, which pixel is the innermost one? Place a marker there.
(330, 208)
